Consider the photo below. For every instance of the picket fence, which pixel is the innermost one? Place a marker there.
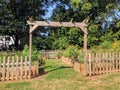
(51, 54)
(102, 63)
(17, 68)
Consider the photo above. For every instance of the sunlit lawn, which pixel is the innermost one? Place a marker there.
(62, 77)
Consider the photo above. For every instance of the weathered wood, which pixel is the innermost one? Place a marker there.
(12, 73)
(103, 61)
(96, 55)
(17, 70)
(0, 69)
(21, 67)
(93, 63)
(33, 28)
(100, 63)
(90, 65)
(113, 62)
(110, 66)
(58, 24)
(30, 52)
(3, 69)
(8, 69)
(25, 67)
(82, 26)
(119, 60)
(116, 62)
(107, 62)
(85, 53)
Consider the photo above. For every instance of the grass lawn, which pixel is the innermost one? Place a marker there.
(62, 77)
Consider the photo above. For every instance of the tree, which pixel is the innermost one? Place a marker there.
(14, 15)
(99, 12)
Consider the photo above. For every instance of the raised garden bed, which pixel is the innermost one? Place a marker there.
(79, 67)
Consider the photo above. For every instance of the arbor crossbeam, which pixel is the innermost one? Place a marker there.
(58, 24)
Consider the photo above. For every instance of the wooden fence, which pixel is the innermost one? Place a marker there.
(101, 63)
(15, 68)
(51, 54)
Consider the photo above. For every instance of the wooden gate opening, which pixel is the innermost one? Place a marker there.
(81, 25)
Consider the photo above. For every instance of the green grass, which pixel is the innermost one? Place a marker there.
(62, 77)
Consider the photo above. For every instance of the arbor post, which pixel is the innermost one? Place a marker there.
(85, 54)
(30, 51)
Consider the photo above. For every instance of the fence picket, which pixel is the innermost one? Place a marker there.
(113, 61)
(103, 63)
(8, 68)
(21, 67)
(100, 63)
(116, 62)
(3, 69)
(97, 71)
(17, 70)
(110, 66)
(107, 62)
(25, 67)
(12, 73)
(119, 60)
(30, 69)
(90, 64)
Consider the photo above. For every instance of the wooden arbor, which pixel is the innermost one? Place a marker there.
(81, 25)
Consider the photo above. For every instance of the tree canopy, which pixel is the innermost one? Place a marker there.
(103, 21)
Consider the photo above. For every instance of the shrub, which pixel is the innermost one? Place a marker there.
(59, 54)
(36, 55)
(116, 45)
(72, 52)
(81, 57)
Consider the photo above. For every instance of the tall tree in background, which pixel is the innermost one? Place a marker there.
(99, 12)
(13, 16)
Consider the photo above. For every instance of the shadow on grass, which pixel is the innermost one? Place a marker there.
(61, 67)
(52, 68)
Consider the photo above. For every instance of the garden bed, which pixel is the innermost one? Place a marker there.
(76, 65)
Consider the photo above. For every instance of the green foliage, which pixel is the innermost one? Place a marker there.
(26, 50)
(60, 43)
(72, 52)
(59, 54)
(36, 55)
(86, 7)
(81, 57)
(106, 44)
(118, 24)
